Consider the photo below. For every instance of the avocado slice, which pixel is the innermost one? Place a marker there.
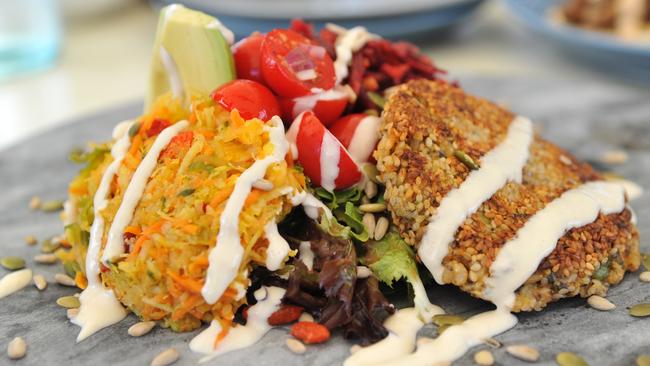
(190, 55)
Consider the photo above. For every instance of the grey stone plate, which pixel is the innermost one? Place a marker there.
(586, 118)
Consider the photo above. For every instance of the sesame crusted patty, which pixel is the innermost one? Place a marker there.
(431, 134)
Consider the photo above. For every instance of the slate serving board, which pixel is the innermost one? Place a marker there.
(586, 117)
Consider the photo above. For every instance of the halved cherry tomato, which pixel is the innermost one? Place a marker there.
(327, 110)
(310, 136)
(359, 134)
(247, 55)
(292, 65)
(250, 98)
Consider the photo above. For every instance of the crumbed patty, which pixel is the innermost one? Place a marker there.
(425, 126)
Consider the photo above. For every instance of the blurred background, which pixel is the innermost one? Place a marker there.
(64, 59)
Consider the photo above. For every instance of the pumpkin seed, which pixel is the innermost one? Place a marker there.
(643, 360)
(12, 263)
(17, 348)
(71, 268)
(371, 112)
(645, 258)
(35, 203)
(373, 207)
(141, 328)
(68, 302)
(484, 358)
(645, 276)
(39, 282)
(602, 272)
(369, 224)
(49, 245)
(447, 319)
(600, 303)
(52, 206)
(640, 310)
(377, 99)
(466, 159)
(133, 130)
(64, 280)
(523, 352)
(382, 228)
(370, 171)
(30, 240)
(166, 357)
(296, 346)
(370, 189)
(186, 192)
(570, 359)
(46, 259)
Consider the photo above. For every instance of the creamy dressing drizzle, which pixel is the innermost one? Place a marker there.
(15, 281)
(502, 164)
(311, 205)
(348, 42)
(308, 102)
(329, 161)
(99, 306)
(278, 248)
(115, 242)
(306, 255)
(364, 139)
(225, 258)
(632, 189)
(292, 135)
(174, 77)
(240, 336)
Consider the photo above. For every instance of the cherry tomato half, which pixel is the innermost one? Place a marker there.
(247, 55)
(310, 137)
(250, 98)
(292, 65)
(359, 134)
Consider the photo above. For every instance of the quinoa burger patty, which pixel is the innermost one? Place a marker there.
(427, 128)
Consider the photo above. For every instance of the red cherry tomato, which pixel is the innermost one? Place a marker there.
(247, 55)
(308, 134)
(292, 65)
(327, 110)
(250, 98)
(359, 134)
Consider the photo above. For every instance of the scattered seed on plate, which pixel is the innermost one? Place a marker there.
(492, 343)
(52, 206)
(643, 360)
(370, 171)
(46, 258)
(68, 302)
(35, 203)
(570, 359)
(296, 346)
(613, 157)
(166, 357)
(355, 348)
(523, 352)
(363, 272)
(370, 189)
(71, 313)
(484, 358)
(12, 263)
(141, 328)
(17, 348)
(421, 341)
(600, 303)
(645, 259)
(263, 184)
(447, 319)
(49, 246)
(640, 310)
(306, 317)
(369, 224)
(645, 276)
(373, 207)
(30, 240)
(64, 280)
(382, 228)
(39, 282)
(565, 160)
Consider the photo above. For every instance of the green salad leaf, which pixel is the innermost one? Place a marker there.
(335, 199)
(391, 259)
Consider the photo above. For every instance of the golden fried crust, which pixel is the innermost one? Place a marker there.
(424, 123)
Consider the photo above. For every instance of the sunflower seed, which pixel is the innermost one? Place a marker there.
(263, 184)
(12, 263)
(355, 348)
(643, 360)
(613, 157)
(64, 280)
(45, 259)
(373, 207)
(423, 340)
(166, 357)
(296, 346)
(640, 310)
(492, 343)
(484, 358)
(306, 317)
(523, 352)
(382, 228)
(645, 276)
(447, 319)
(369, 223)
(141, 328)
(570, 359)
(35, 203)
(17, 348)
(52, 205)
(68, 302)
(370, 189)
(71, 313)
(39, 282)
(565, 160)
(600, 303)
(30, 240)
(363, 272)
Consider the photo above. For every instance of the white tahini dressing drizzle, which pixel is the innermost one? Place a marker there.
(225, 258)
(292, 135)
(502, 164)
(174, 77)
(99, 306)
(15, 281)
(329, 161)
(364, 139)
(240, 336)
(311, 205)
(309, 101)
(114, 244)
(306, 254)
(348, 42)
(278, 248)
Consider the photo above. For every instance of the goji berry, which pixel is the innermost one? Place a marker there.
(310, 332)
(285, 315)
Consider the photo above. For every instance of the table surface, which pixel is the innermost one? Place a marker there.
(104, 62)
